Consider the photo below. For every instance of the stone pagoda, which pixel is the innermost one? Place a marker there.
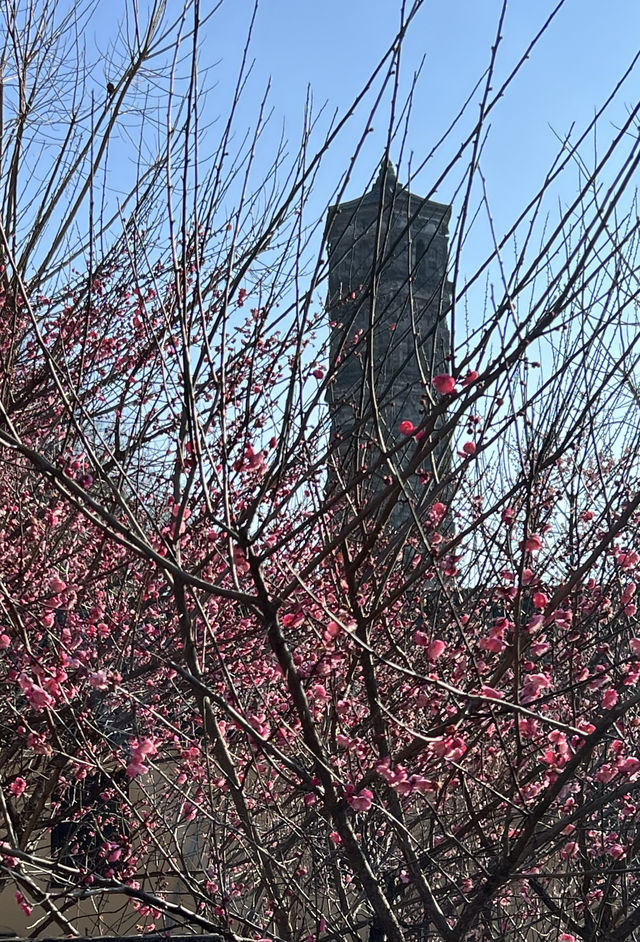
(388, 304)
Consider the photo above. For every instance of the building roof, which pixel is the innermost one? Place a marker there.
(387, 190)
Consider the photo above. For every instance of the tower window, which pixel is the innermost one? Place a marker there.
(418, 261)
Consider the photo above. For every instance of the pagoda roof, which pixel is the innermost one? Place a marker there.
(387, 190)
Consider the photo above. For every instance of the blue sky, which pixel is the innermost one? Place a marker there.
(333, 45)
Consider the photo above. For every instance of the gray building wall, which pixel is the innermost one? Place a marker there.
(388, 303)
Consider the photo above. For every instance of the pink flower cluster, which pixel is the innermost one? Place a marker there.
(359, 801)
(18, 786)
(532, 686)
(494, 641)
(140, 750)
(445, 384)
(435, 648)
(400, 780)
(37, 696)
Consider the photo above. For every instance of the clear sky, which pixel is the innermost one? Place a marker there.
(332, 46)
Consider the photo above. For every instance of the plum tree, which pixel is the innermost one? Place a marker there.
(244, 703)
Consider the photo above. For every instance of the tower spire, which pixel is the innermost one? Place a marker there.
(387, 176)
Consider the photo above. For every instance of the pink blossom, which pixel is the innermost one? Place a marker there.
(529, 727)
(18, 786)
(421, 784)
(450, 748)
(494, 645)
(98, 680)
(532, 544)
(135, 768)
(22, 903)
(631, 675)
(487, 691)
(449, 564)
(616, 851)
(628, 766)
(320, 694)
(293, 619)
(5, 642)
(628, 592)
(254, 459)
(508, 515)
(145, 747)
(570, 850)
(471, 377)
(532, 686)
(436, 649)
(335, 838)
(628, 560)
(394, 776)
(535, 623)
(444, 383)
(38, 698)
(559, 740)
(634, 644)
(331, 631)
(403, 788)
(538, 648)
(140, 749)
(605, 773)
(540, 600)
(318, 373)
(57, 585)
(188, 811)
(362, 801)
(563, 617)
(437, 512)
(469, 448)
(240, 560)
(609, 698)
(407, 428)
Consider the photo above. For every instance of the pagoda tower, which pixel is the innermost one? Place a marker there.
(388, 304)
